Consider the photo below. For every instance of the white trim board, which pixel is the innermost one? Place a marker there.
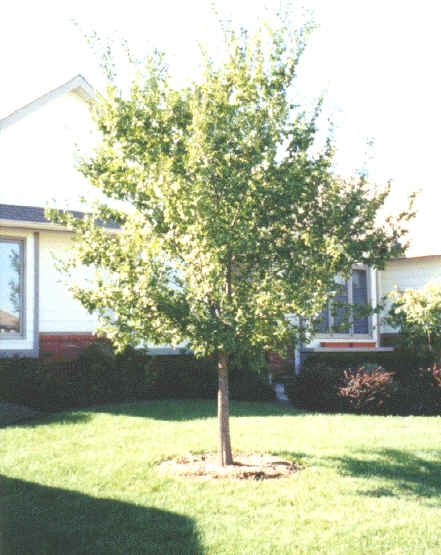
(77, 84)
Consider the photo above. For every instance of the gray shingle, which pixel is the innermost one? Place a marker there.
(35, 214)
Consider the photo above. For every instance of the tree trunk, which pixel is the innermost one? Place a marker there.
(224, 450)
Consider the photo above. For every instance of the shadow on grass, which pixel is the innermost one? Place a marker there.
(44, 419)
(300, 457)
(168, 410)
(181, 410)
(407, 472)
(40, 519)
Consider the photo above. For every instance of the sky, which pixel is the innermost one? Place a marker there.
(376, 62)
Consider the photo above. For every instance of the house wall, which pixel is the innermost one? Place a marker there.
(37, 155)
(59, 312)
(54, 322)
(411, 273)
(37, 167)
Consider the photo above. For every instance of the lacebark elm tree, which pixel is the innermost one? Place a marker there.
(235, 218)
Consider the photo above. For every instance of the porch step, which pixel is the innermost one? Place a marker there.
(279, 390)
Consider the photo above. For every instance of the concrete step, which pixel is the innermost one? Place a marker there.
(279, 390)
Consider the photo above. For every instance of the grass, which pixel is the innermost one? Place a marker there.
(86, 482)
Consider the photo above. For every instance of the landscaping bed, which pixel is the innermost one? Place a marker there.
(245, 467)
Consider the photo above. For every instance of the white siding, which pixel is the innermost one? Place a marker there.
(37, 155)
(59, 311)
(423, 234)
(411, 273)
(26, 342)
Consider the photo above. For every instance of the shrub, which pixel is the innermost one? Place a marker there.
(55, 386)
(369, 391)
(329, 389)
(316, 387)
(389, 360)
(247, 384)
(423, 391)
(366, 390)
(181, 377)
(184, 376)
(402, 363)
(101, 376)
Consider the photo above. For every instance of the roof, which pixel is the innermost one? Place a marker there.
(35, 214)
(77, 84)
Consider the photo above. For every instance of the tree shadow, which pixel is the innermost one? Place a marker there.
(47, 520)
(183, 410)
(304, 459)
(407, 472)
(43, 419)
(167, 410)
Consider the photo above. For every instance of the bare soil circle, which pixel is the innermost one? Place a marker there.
(245, 467)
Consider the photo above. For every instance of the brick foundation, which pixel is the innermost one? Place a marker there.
(280, 366)
(62, 346)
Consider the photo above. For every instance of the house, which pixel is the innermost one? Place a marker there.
(38, 316)
(37, 148)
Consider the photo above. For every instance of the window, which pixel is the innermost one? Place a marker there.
(340, 316)
(11, 287)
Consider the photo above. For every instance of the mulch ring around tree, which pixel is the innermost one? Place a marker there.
(245, 467)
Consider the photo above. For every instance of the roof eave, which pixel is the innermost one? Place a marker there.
(77, 84)
(22, 224)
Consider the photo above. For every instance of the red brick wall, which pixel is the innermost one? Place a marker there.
(279, 365)
(64, 346)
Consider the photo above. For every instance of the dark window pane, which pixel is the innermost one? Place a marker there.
(339, 316)
(340, 310)
(10, 286)
(360, 297)
(323, 320)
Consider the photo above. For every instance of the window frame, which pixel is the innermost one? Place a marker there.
(350, 332)
(21, 334)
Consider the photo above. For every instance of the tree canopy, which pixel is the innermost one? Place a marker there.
(233, 216)
(416, 313)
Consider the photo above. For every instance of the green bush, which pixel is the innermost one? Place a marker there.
(389, 360)
(422, 391)
(333, 387)
(181, 377)
(315, 388)
(184, 376)
(100, 375)
(37, 385)
(96, 377)
(247, 384)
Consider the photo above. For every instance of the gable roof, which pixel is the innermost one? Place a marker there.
(77, 84)
(35, 215)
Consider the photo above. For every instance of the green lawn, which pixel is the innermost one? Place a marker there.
(86, 482)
